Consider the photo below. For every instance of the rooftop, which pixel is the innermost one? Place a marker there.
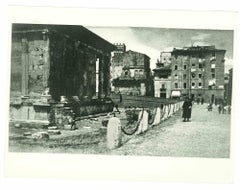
(196, 49)
(74, 31)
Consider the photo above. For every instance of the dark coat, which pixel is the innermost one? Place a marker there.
(187, 109)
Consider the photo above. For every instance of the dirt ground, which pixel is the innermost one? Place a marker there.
(207, 135)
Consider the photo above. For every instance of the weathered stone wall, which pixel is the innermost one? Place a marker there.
(29, 64)
(133, 66)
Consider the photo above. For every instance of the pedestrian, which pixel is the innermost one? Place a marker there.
(229, 109)
(198, 100)
(219, 108)
(187, 109)
(210, 107)
(120, 97)
(202, 101)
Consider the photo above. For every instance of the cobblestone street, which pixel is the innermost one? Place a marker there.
(207, 135)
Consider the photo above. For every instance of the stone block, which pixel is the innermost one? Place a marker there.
(114, 136)
(40, 135)
(54, 132)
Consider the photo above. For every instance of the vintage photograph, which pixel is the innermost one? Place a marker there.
(125, 91)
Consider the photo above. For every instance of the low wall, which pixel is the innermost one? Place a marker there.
(53, 113)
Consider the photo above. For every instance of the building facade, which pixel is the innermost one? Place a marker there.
(162, 76)
(228, 86)
(198, 72)
(131, 73)
(49, 62)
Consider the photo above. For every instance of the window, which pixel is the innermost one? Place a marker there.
(184, 67)
(213, 66)
(136, 74)
(214, 54)
(185, 85)
(213, 75)
(184, 76)
(193, 84)
(200, 65)
(126, 73)
(163, 85)
(193, 64)
(193, 75)
(212, 70)
(200, 75)
(176, 67)
(176, 85)
(200, 85)
(175, 76)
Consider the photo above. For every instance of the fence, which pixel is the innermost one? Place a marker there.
(139, 121)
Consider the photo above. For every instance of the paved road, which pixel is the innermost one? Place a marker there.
(207, 135)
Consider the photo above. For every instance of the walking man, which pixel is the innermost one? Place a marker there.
(187, 109)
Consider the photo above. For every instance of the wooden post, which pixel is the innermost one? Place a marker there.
(114, 135)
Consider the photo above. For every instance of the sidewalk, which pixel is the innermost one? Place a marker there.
(207, 135)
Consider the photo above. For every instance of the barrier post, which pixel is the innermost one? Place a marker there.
(157, 118)
(114, 135)
(143, 124)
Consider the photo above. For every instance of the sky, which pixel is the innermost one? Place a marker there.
(152, 41)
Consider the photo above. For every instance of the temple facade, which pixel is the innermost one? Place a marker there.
(55, 63)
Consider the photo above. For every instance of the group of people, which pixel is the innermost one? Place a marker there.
(200, 99)
(223, 108)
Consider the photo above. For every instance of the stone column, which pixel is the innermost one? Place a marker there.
(101, 77)
(106, 82)
(46, 57)
(25, 66)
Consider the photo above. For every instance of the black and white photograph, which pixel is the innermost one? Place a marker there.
(123, 91)
(151, 100)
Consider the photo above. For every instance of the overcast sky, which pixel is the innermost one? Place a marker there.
(151, 41)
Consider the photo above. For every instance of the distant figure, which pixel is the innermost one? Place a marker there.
(224, 109)
(202, 101)
(229, 109)
(187, 110)
(220, 108)
(120, 97)
(198, 100)
(210, 107)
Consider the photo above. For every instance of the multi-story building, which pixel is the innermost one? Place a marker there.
(198, 71)
(228, 87)
(131, 73)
